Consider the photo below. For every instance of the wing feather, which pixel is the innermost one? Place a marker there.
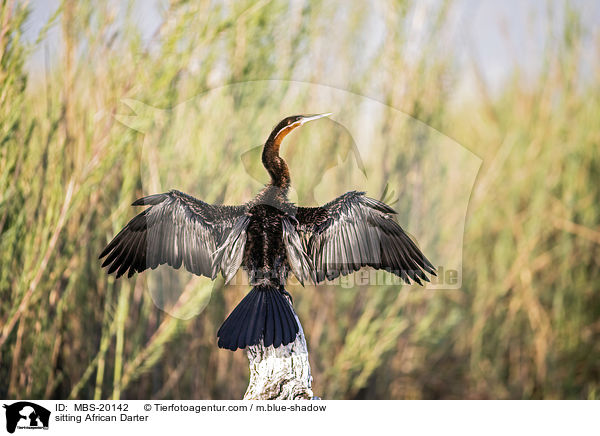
(177, 229)
(354, 231)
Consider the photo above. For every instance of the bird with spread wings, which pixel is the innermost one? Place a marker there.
(269, 237)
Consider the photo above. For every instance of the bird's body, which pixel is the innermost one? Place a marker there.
(265, 257)
(269, 237)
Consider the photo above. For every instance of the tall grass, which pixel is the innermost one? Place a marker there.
(111, 119)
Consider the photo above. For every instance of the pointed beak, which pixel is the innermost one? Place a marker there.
(308, 118)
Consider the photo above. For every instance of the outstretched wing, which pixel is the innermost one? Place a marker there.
(176, 229)
(354, 231)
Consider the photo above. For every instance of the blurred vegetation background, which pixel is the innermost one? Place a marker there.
(526, 322)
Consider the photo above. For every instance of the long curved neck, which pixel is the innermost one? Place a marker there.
(275, 165)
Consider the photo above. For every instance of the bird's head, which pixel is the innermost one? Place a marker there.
(288, 124)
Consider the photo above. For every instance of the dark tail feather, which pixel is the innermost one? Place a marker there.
(264, 314)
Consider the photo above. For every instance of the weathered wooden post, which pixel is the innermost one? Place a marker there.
(281, 373)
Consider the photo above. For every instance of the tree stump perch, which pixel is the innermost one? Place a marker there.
(281, 373)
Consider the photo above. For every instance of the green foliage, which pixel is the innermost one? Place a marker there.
(111, 120)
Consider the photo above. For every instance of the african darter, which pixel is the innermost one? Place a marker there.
(269, 237)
